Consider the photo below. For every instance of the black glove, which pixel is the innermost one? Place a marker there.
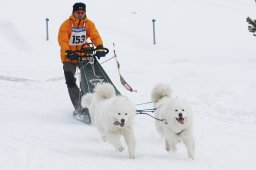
(72, 55)
(100, 51)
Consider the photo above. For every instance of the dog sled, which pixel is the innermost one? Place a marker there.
(91, 72)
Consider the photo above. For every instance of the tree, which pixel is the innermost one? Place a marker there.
(252, 25)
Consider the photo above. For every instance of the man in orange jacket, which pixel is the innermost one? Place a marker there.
(73, 33)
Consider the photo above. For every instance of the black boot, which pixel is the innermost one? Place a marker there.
(74, 94)
(83, 115)
(80, 113)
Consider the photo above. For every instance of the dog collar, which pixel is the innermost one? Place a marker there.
(179, 133)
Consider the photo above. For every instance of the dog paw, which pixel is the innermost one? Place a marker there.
(121, 148)
(170, 146)
(131, 157)
(173, 149)
(191, 157)
(167, 146)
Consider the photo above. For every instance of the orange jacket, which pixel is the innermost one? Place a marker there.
(65, 33)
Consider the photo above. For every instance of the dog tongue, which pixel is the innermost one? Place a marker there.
(116, 123)
(180, 120)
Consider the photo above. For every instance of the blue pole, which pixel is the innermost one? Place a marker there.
(47, 32)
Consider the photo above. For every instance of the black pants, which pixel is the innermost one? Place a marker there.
(73, 90)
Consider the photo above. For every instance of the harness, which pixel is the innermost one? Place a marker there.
(147, 111)
(179, 133)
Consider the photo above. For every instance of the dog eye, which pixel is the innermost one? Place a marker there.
(176, 110)
(119, 113)
(125, 113)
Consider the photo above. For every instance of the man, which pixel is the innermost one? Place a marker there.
(73, 33)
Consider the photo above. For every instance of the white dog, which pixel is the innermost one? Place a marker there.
(177, 119)
(112, 115)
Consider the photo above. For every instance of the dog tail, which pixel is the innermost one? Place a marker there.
(104, 91)
(160, 91)
(86, 100)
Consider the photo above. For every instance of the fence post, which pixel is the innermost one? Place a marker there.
(154, 34)
(47, 30)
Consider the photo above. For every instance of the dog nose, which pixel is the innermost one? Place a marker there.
(122, 120)
(180, 114)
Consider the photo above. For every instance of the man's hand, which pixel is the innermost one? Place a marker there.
(71, 55)
(101, 51)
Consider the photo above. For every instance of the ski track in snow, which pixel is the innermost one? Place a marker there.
(15, 79)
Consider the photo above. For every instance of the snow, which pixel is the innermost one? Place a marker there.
(204, 51)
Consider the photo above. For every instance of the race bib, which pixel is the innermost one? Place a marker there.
(78, 36)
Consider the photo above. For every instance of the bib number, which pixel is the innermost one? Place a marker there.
(78, 39)
(78, 36)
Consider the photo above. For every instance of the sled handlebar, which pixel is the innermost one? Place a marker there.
(88, 51)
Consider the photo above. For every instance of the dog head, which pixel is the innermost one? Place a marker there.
(123, 111)
(178, 112)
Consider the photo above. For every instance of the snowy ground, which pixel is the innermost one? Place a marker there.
(204, 51)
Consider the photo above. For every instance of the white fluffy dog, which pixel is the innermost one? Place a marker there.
(177, 119)
(112, 115)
